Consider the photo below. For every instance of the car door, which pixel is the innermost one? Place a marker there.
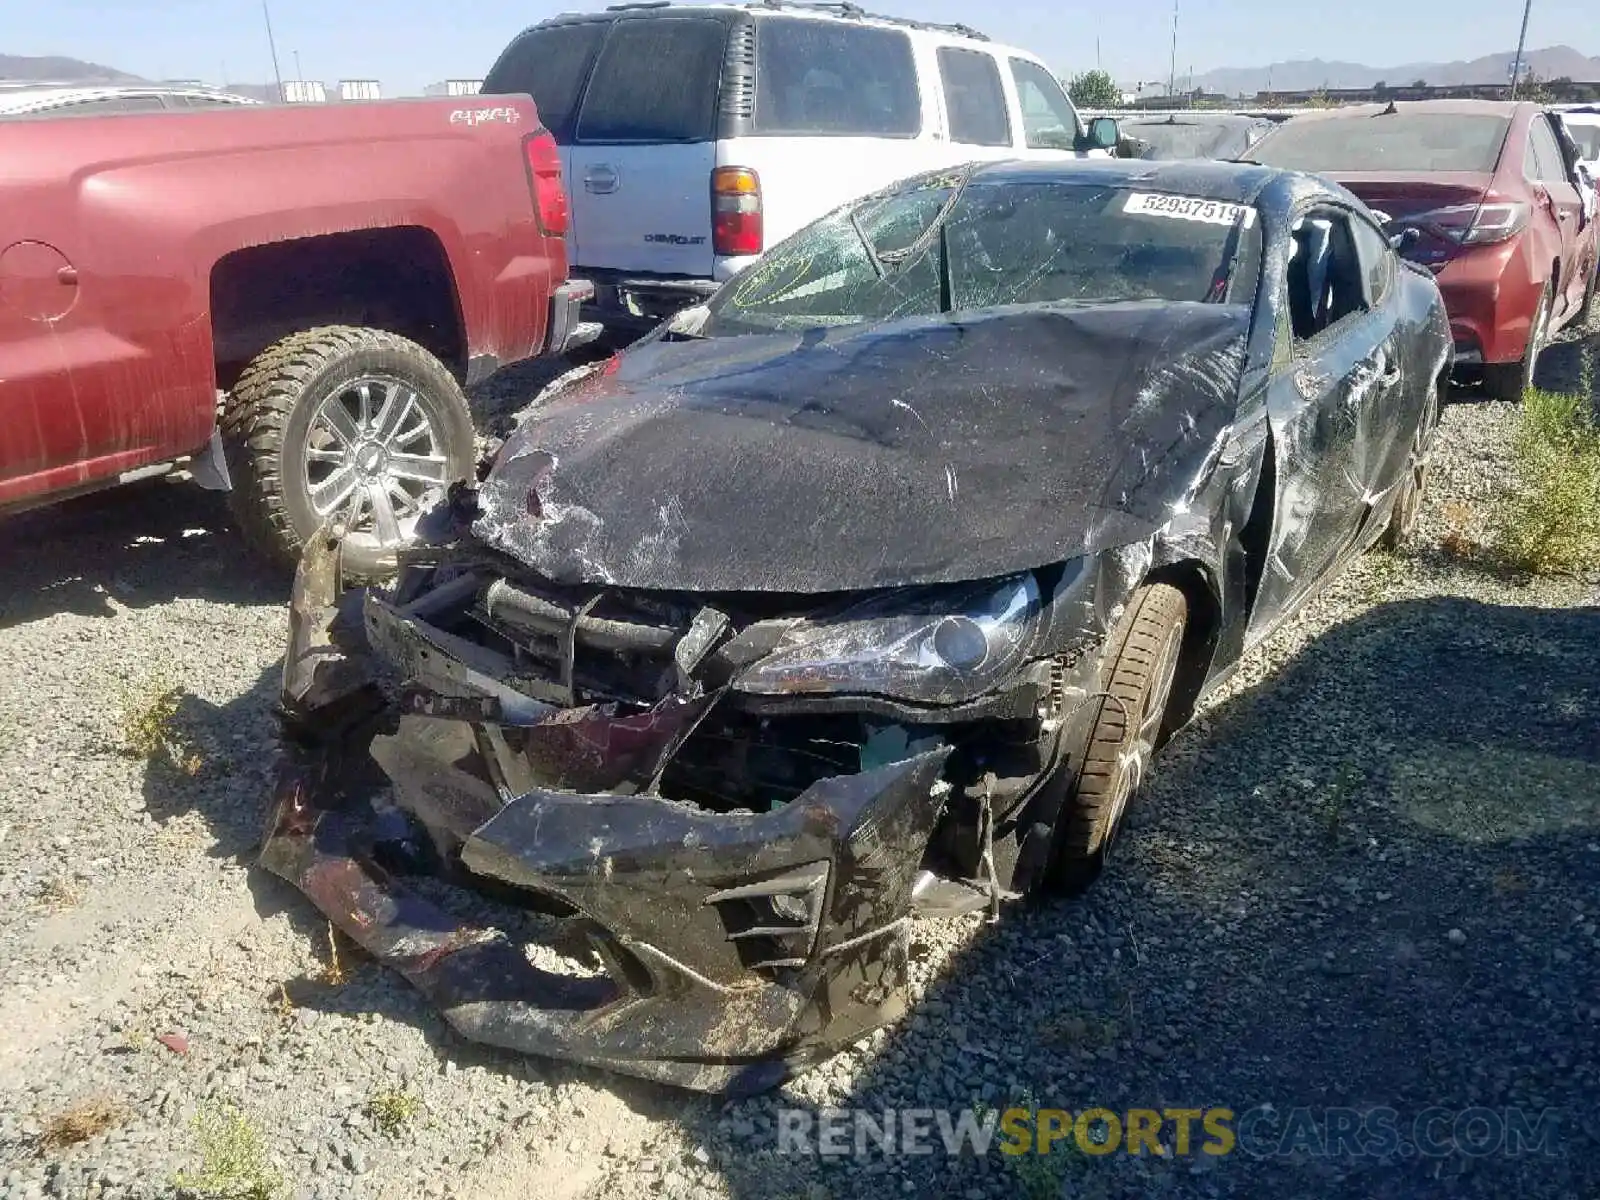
(1050, 124)
(1336, 377)
(1553, 191)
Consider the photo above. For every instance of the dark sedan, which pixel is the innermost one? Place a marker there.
(1195, 135)
(867, 588)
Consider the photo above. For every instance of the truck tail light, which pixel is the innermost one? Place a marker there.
(736, 229)
(544, 176)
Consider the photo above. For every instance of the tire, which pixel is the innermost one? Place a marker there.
(1511, 381)
(311, 430)
(1141, 666)
(1408, 500)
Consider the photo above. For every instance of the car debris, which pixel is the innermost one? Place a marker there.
(866, 590)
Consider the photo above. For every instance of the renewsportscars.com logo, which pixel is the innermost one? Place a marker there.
(1260, 1132)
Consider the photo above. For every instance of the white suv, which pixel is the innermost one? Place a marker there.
(695, 136)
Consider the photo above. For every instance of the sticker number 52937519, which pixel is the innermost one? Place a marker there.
(1190, 208)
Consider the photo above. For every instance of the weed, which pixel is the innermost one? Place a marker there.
(334, 974)
(1509, 883)
(1385, 570)
(391, 1108)
(1549, 522)
(282, 1005)
(148, 714)
(233, 1159)
(1345, 781)
(150, 727)
(84, 1120)
(58, 893)
(1462, 524)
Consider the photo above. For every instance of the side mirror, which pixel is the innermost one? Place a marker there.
(1103, 134)
(1404, 240)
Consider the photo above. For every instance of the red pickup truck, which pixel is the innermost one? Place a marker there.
(283, 301)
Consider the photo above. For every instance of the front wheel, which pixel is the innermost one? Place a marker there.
(1141, 667)
(356, 425)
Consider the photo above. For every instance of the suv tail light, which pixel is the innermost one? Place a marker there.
(736, 229)
(544, 176)
(1474, 224)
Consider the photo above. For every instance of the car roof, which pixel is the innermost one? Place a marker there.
(1230, 182)
(1224, 120)
(35, 98)
(1500, 108)
(789, 8)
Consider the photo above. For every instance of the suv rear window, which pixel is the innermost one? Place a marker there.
(549, 63)
(828, 77)
(1396, 142)
(974, 98)
(656, 81)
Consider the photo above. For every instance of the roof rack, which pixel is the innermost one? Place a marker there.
(854, 12)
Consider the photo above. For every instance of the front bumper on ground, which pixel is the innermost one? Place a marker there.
(736, 948)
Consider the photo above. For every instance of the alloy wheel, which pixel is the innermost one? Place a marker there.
(374, 459)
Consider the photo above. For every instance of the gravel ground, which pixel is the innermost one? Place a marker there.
(1368, 875)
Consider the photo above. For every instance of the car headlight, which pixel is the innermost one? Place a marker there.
(934, 645)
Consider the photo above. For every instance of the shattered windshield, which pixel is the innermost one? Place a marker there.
(1001, 242)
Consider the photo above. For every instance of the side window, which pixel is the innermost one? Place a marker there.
(1377, 260)
(656, 80)
(193, 101)
(1049, 122)
(115, 104)
(1324, 276)
(1548, 164)
(974, 97)
(831, 77)
(549, 64)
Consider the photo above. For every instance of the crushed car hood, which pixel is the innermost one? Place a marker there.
(927, 450)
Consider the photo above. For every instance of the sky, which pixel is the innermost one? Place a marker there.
(409, 43)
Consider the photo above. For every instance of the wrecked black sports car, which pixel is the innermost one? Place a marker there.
(866, 589)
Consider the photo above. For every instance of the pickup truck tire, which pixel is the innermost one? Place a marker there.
(343, 420)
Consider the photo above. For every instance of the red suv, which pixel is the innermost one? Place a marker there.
(1481, 193)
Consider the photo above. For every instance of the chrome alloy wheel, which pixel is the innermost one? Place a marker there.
(375, 459)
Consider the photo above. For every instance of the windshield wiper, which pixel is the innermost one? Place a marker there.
(866, 244)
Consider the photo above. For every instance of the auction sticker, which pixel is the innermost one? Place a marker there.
(1190, 208)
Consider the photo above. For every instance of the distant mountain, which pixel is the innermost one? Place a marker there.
(1308, 74)
(52, 68)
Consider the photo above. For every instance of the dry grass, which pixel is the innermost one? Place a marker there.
(1549, 523)
(84, 1120)
(1464, 530)
(333, 972)
(149, 713)
(59, 893)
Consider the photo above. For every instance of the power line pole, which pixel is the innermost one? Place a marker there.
(1522, 41)
(277, 75)
(298, 73)
(1172, 75)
